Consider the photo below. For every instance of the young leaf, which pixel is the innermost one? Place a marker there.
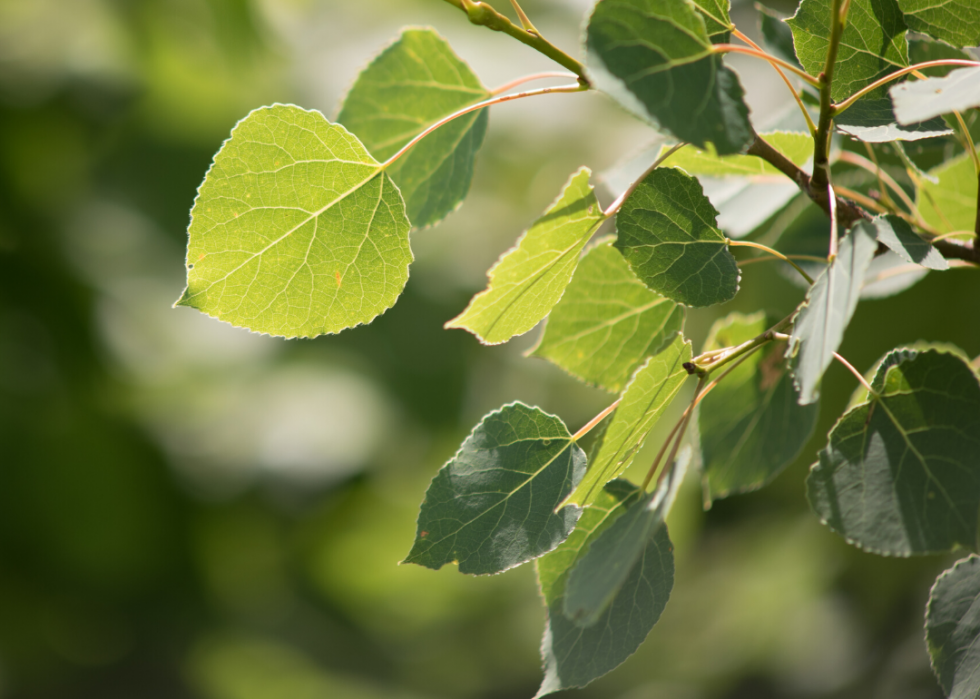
(956, 22)
(574, 656)
(668, 234)
(899, 475)
(872, 45)
(922, 99)
(644, 401)
(901, 239)
(654, 58)
(492, 507)
(607, 322)
(953, 629)
(530, 278)
(951, 204)
(873, 121)
(797, 147)
(751, 424)
(412, 84)
(296, 230)
(830, 303)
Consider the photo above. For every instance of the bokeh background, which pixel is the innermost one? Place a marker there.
(191, 510)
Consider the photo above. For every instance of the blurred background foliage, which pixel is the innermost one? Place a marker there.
(189, 510)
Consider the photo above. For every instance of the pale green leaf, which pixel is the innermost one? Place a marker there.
(646, 398)
(917, 100)
(751, 424)
(956, 22)
(607, 322)
(412, 84)
(953, 629)
(654, 57)
(296, 230)
(669, 236)
(493, 506)
(529, 279)
(951, 204)
(901, 473)
(797, 147)
(901, 239)
(874, 121)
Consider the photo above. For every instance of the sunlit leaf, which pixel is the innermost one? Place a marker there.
(492, 507)
(953, 629)
(956, 22)
(529, 279)
(797, 147)
(917, 100)
(901, 473)
(874, 121)
(901, 239)
(607, 322)
(412, 84)
(951, 204)
(296, 230)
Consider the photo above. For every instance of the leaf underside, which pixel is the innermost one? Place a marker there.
(923, 99)
(898, 235)
(953, 629)
(874, 121)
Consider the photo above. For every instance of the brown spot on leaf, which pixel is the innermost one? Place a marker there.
(771, 370)
(336, 275)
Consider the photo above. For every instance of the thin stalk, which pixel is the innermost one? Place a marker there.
(808, 258)
(681, 425)
(529, 78)
(733, 48)
(857, 374)
(615, 206)
(525, 22)
(745, 348)
(820, 182)
(954, 234)
(864, 200)
(842, 106)
(595, 421)
(832, 198)
(912, 267)
(877, 172)
(774, 253)
(874, 169)
(971, 147)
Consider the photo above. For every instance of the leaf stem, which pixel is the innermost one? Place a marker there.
(681, 425)
(529, 78)
(862, 162)
(857, 374)
(970, 146)
(820, 190)
(618, 203)
(832, 200)
(775, 253)
(595, 421)
(758, 53)
(841, 106)
(733, 353)
(525, 22)
(808, 258)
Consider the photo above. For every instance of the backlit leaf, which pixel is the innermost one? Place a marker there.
(951, 204)
(716, 19)
(901, 239)
(953, 629)
(797, 147)
(917, 100)
(956, 22)
(874, 121)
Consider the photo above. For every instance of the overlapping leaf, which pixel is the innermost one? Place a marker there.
(412, 84)
(922, 50)
(953, 629)
(901, 239)
(797, 147)
(901, 474)
(717, 22)
(607, 322)
(492, 507)
(654, 57)
(296, 230)
(873, 120)
(956, 22)
(777, 35)
(917, 100)
(950, 204)
(751, 424)
(529, 279)
(668, 234)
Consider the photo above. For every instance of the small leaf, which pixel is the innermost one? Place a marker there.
(669, 236)
(951, 204)
(901, 239)
(956, 22)
(830, 303)
(900, 474)
(492, 507)
(530, 278)
(412, 84)
(873, 121)
(917, 100)
(607, 322)
(797, 147)
(654, 58)
(751, 425)
(296, 230)
(953, 629)
(646, 398)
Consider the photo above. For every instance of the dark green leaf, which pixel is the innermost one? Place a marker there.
(412, 84)
(654, 57)
(777, 35)
(956, 22)
(916, 100)
(716, 19)
(953, 629)
(922, 50)
(901, 239)
(669, 236)
(901, 474)
(951, 204)
(492, 507)
(873, 121)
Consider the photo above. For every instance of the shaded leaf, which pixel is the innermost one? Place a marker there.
(717, 22)
(951, 204)
(901, 239)
(900, 474)
(529, 279)
(492, 507)
(412, 84)
(654, 58)
(873, 121)
(751, 424)
(777, 35)
(953, 629)
(916, 100)
(956, 22)
(922, 50)
(607, 322)
(668, 234)
(296, 230)
(797, 147)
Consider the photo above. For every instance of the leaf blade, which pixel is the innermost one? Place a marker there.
(918, 100)
(898, 235)
(957, 22)
(953, 628)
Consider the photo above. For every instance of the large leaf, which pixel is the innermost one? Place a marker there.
(492, 507)
(874, 121)
(751, 424)
(956, 22)
(797, 147)
(574, 656)
(901, 474)
(901, 239)
(917, 100)
(607, 322)
(953, 629)
(830, 303)
(412, 84)
(529, 279)
(668, 233)
(644, 401)
(951, 204)
(872, 45)
(654, 57)
(296, 230)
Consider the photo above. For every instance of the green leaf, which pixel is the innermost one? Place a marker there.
(901, 239)
(717, 22)
(492, 507)
(956, 22)
(296, 230)
(797, 147)
(872, 45)
(573, 656)
(654, 58)
(916, 100)
(953, 629)
(900, 475)
(830, 303)
(951, 204)
(874, 121)
(607, 322)
(412, 84)
(922, 50)
(668, 234)
(777, 35)
(646, 398)
(529, 279)
(751, 424)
